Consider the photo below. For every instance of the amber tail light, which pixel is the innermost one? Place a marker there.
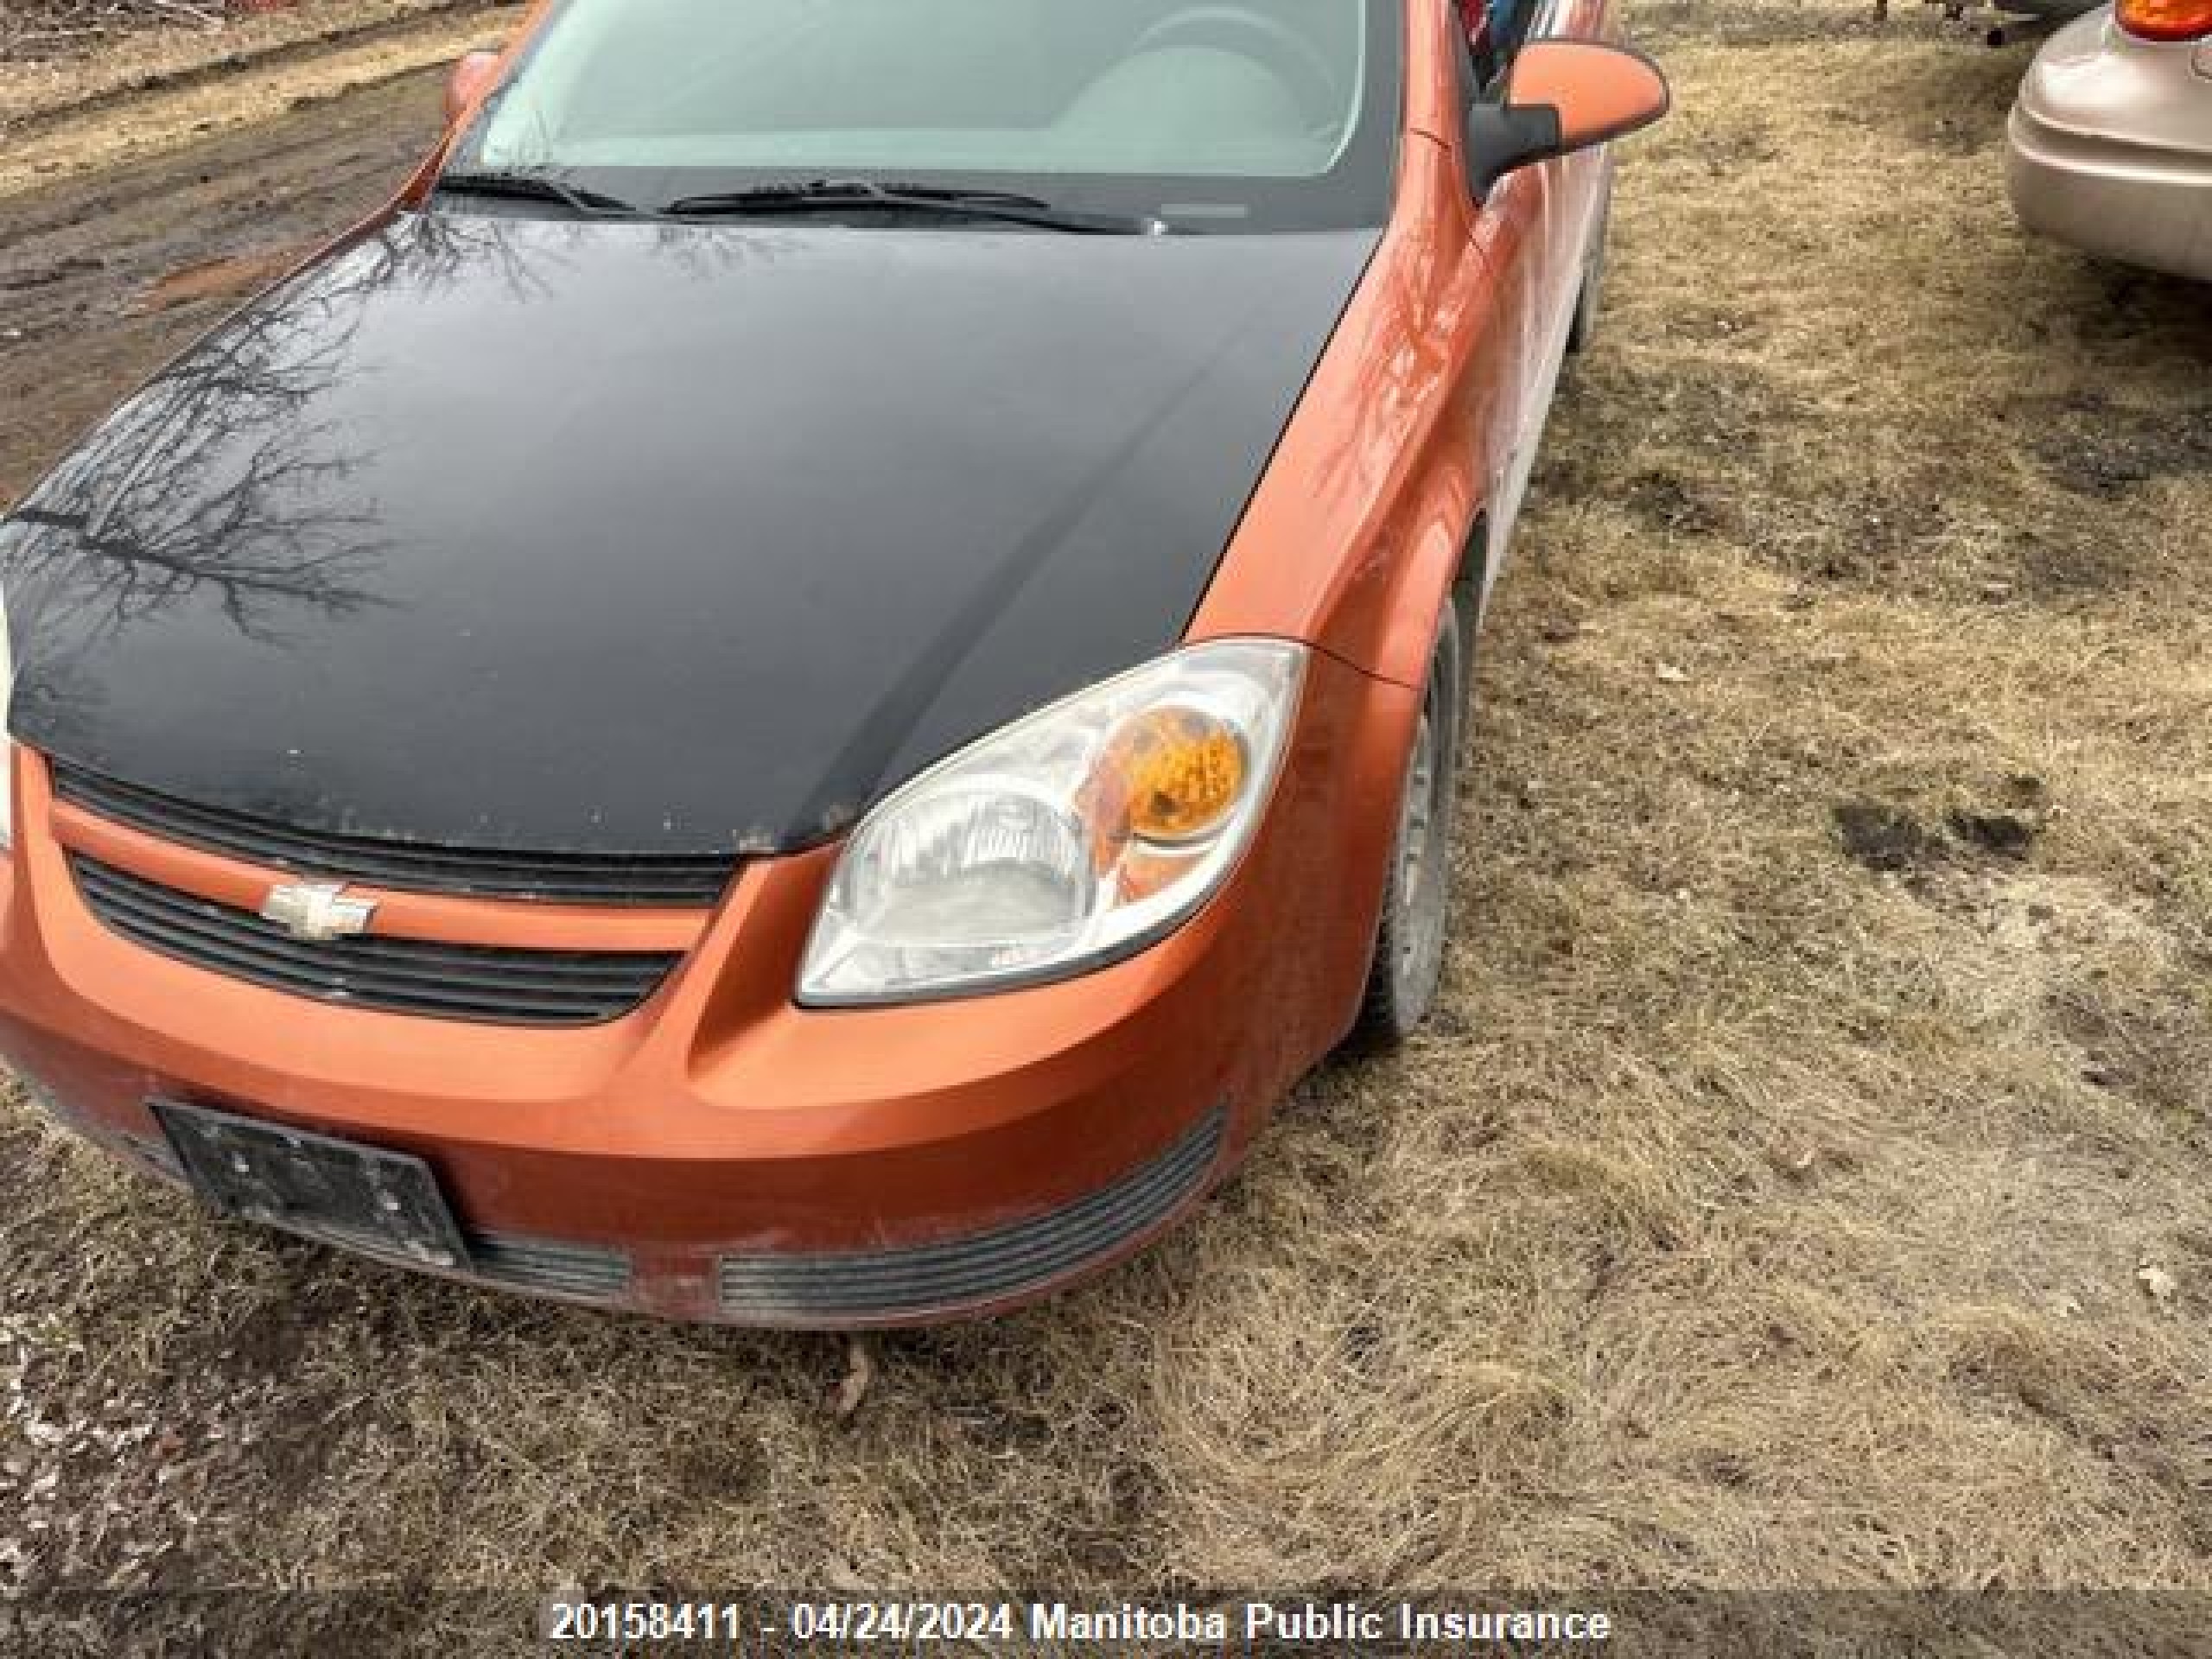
(2166, 20)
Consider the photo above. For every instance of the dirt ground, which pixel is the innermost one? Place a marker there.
(1803, 1187)
(166, 90)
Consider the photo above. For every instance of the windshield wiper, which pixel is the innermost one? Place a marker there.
(817, 195)
(535, 186)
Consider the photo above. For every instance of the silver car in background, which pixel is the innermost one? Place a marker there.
(2109, 147)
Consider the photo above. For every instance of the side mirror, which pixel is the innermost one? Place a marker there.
(471, 79)
(1562, 96)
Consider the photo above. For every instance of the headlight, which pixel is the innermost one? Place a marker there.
(1074, 836)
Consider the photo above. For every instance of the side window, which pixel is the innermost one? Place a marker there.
(1509, 25)
(1491, 33)
(1471, 44)
(1474, 84)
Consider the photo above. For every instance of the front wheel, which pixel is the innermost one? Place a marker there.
(1591, 294)
(1409, 961)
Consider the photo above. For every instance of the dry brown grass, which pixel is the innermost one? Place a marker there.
(1751, 1216)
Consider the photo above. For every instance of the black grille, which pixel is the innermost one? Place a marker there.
(676, 881)
(482, 983)
(983, 1268)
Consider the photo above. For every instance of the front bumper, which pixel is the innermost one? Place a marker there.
(723, 1154)
(2109, 148)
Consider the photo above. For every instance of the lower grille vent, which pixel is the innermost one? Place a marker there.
(544, 1265)
(988, 1266)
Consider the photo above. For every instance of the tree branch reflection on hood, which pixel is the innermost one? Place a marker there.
(219, 479)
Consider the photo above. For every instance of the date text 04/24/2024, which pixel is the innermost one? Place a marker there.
(984, 1620)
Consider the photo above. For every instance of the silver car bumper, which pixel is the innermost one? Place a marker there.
(2109, 148)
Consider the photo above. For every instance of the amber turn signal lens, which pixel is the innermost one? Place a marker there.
(2166, 20)
(1173, 776)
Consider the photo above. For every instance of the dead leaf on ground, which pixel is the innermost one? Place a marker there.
(2157, 1284)
(838, 1577)
(860, 1372)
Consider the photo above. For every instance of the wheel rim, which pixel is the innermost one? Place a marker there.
(1424, 843)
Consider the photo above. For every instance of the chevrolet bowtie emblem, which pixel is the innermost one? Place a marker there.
(318, 911)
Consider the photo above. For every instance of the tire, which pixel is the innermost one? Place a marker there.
(1408, 962)
(1592, 292)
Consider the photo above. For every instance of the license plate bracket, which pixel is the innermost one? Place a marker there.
(383, 1204)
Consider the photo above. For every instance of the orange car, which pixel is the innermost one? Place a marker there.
(797, 689)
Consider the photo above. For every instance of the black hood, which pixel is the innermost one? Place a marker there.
(632, 537)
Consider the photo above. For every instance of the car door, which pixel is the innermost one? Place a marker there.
(1532, 228)
(1575, 185)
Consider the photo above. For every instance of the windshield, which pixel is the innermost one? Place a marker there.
(1279, 114)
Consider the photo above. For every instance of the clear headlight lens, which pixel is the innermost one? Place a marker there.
(1074, 836)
